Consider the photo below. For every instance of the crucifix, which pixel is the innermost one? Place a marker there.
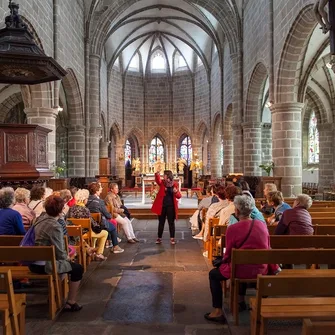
(326, 21)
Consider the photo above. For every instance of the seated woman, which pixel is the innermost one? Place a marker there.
(97, 205)
(22, 198)
(37, 196)
(10, 220)
(297, 220)
(231, 191)
(245, 234)
(268, 188)
(276, 200)
(49, 232)
(120, 217)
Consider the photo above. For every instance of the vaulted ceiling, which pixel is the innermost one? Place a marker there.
(182, 26)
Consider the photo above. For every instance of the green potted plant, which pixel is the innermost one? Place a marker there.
(59, 170)
(267, 167)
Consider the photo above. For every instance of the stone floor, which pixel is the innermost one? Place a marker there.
(149, 289)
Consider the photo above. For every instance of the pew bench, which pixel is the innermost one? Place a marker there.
(314, 327)
(289, 300)
(12, 306)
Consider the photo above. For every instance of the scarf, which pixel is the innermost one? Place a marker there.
(168, 183)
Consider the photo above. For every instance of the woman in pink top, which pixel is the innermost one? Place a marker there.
(245, 234)
(22, 198)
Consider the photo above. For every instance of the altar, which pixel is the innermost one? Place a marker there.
(150, 179)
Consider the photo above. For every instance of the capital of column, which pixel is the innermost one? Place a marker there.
(251, 125)
(287, 107)
(95, 131)
(76, 127)
(96, 56)
(266, 125)
(41, 112)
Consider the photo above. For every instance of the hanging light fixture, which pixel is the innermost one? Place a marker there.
(21, 60)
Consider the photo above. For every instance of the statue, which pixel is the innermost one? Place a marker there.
(321, 15)
(196, 164)
(181, 163)
(158, 165)
(14, 19)
(136, 164)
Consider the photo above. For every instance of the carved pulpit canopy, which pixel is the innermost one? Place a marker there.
(21, 60)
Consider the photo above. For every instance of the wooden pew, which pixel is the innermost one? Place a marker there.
(272, 256)
(314, 327)
(323, 221)
(12, 306)
(325, 230)
(19, 254)
(295, 305)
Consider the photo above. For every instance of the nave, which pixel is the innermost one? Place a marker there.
(148, 289)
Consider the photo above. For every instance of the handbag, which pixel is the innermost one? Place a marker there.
(96, 228)
(218, 260)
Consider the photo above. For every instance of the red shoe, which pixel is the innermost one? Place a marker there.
(172, 241)
(159, 241)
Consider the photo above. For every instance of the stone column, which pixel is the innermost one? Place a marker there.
(252, 137)
(326, 158)
(120, 163)
(228, 148)
(286, 146)
(215, 147)
(45, 117)
(76, 151)
(266, 143)
(94, 115)
(238, 148)
(103, 153)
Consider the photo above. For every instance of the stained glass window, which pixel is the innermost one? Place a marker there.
(127, 152)
(158, 61)
(156, 150)
(313, 140)
(186, 150)
(221, 154)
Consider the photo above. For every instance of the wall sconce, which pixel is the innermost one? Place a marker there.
(268, 104)
(59, 109)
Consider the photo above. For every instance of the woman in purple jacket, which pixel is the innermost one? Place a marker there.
(244, 234)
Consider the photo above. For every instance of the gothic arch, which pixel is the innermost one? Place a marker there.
(162, 132)
(115, 133)
(180, 132)
(9, 104)
(257, 82)
(74, 98)
(202, 130)
(316, 104)
(288, 77)
(136, 133)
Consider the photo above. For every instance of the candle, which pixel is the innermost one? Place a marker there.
(175, 154)
(143, 157)
(166, 155)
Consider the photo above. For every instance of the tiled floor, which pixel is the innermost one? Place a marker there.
(168, 292)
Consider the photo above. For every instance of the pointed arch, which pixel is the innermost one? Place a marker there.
(179, 133)
(253, 110)
(9, 104)
(162, 132)
(137, 133)
(202, 130)
(292, 56)
(115, 132)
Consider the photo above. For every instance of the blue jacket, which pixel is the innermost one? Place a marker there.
(255, 214)
(11, 222)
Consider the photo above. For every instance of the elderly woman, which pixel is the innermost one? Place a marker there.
(80, 211)
(97, 205)
(231, 191)
(22, 198)
(10, 220)
(49, 232)
(120, 217)
(268, 189)
(245, 234)
(37, 196)
(297, 221)
(276, 200)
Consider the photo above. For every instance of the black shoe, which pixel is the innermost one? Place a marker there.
(218, 319)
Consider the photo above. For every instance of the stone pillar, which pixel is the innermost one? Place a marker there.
(120, 163)
(103, 153)
(326, 158)
(266, 143)
(76, 151)
(94, 115)
(252, 137)
(45, 117)
(228, 148)
(238, 148)
(215, 147)
(286, 146)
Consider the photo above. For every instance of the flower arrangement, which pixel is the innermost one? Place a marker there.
(58, 170)
(267, 167)
(153, 194)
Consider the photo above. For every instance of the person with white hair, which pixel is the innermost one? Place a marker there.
(10, 220)
(22, 198)
(297, 221)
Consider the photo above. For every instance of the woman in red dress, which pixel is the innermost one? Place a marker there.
(166, 204)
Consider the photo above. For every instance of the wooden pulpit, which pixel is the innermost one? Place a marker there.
(24, 152)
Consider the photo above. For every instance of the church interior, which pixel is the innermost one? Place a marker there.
(217, 93)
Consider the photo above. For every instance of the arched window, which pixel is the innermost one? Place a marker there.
(158, 62)
(221, 154)
(127, 152)
(156, 150)
(186, 150)
(313, 140)
(180, 63)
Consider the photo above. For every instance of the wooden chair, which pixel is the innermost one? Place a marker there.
(85, 224)
(77, 232)
(96, 217)
(12, 306)
(318, 327)
(271, 256)
(32, 254)
(295, 304)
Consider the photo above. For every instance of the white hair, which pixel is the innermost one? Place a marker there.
(305, 200)
(244, 204)
(81, 195)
